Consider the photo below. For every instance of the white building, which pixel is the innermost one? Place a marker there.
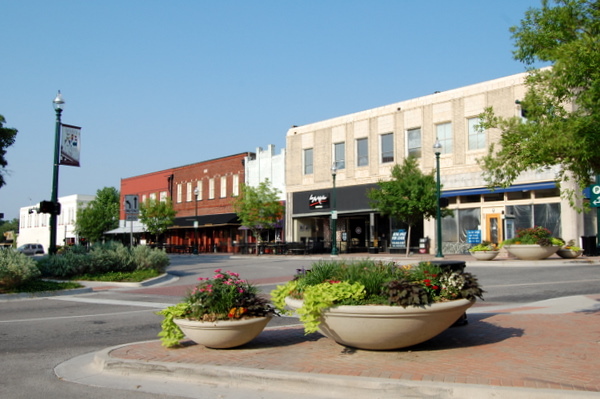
(265, 164)
(367, 144)
(34, 227)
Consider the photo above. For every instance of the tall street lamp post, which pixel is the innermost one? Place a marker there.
(196, 193)
(334, 250)
(58, 104)
(437, 147)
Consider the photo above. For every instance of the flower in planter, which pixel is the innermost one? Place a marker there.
(334, 283)
(534, 235)
(223, 297)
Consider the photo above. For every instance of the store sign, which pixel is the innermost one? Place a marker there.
(318, 201)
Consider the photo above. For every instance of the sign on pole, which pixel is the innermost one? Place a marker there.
(595, 195)
(132, 207)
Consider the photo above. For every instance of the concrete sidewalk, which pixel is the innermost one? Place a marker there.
(548, 349)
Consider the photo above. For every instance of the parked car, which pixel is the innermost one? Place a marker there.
(31, 249)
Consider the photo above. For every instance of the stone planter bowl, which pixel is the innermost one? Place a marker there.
(222, 333)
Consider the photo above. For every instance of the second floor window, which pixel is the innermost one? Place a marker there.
(339, 155)
(387, 148)
(476, 135)
(179, 193)
(188, 192)
(236, 185)
(223, 186)
(211, 189)
(362, 152)
(413, 142)
(444, 135)
(308, 161)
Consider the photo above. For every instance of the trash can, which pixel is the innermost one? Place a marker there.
(589, 245)
(424, 245)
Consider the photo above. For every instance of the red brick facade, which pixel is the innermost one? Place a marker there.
(218, 180)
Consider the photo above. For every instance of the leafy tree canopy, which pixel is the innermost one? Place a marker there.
(258, 208)
(562, 125)
(100, 215)
(7, 138)
(157, 215)
(409, 196)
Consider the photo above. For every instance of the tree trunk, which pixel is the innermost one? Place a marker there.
(408, 240)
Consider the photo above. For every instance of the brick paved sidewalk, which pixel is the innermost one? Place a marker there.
(559, 351)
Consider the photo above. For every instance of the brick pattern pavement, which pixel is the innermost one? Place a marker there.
(560, 351)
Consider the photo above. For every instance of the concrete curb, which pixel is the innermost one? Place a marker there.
(92, 369)
(165, 278)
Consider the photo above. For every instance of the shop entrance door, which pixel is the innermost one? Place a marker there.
(493, 230)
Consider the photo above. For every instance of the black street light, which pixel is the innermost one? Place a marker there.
(437, 147)
(334, 250)
(196, 193)
(58, 104)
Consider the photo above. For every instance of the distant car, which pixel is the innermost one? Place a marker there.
(31, 249)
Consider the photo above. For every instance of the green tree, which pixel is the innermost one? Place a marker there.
(157, 216)
(562, 124)
(7, 138)
(8, 226)
(258, 208)
(100, 215)
(408, 197)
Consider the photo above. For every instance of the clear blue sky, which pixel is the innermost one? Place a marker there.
(157, 84)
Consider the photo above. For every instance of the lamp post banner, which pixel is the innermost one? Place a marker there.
(70, 145)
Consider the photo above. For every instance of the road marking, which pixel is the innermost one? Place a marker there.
(543, 283)
(155, 305)
(73, 317)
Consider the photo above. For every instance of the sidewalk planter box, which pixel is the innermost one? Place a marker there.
(222, 334)
(531, 252)
(375, 327)
(568, 253)
(484, 255)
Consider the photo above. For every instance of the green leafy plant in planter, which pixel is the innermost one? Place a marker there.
(334, 283)
(571, 245)
(484, 246)
(224, 297)
(534, 235)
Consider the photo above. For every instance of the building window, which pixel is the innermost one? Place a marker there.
(153, 196)
(199, 188)
(236, 185)
(223, 186)
(387, 148)
(476, 134)
(179, 193)
(308, 161)
(188, 192)
(162, 196)
(339, 155)
(211, 189)
(444, 135)
(362, 152)
(413, 138)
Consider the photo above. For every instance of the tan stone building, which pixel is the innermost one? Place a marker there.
(365, 146)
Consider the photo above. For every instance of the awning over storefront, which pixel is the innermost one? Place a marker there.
(207, 220)
(516, 187)
(126, 228)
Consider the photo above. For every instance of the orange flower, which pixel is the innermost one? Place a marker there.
(236, 313)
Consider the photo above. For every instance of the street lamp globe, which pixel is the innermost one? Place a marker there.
(58, 102)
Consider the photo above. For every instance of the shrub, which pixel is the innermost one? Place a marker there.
(102, 259)
(146, 258)
(16, 269)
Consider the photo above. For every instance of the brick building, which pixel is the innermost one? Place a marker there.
(201, 194)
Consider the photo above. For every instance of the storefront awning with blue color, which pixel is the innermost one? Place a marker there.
(485, 190)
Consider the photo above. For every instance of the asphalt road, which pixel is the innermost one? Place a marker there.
(38, 334)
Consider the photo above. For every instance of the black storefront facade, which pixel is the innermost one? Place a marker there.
(358, 227)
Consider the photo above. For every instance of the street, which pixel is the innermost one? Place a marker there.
(38, 334)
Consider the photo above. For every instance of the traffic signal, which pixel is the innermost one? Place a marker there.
(50, 207)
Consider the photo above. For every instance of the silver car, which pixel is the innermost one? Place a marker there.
(31, 249)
